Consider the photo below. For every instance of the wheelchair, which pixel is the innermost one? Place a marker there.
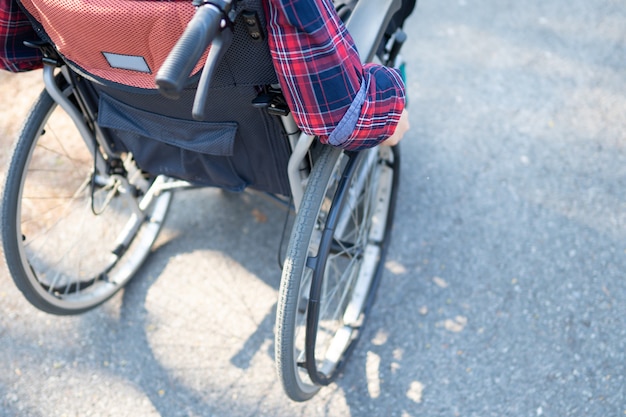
(91, 178)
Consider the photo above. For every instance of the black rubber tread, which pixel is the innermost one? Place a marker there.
(10, 192)
(293, 269)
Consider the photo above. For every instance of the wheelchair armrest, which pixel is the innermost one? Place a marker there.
(368, 22)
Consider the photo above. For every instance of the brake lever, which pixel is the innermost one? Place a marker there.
(220, 45)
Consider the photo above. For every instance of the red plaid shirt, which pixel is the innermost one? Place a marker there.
(330, 93)
(15, 28)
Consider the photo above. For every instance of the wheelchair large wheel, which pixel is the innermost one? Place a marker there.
(333, 265)
(73, 236)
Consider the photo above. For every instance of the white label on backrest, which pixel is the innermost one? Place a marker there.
(128, 62)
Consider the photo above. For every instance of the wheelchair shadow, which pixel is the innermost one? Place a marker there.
(198, 288)
(201, 312)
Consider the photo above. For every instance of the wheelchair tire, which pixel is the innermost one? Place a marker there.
(337, 247)
(71, 237)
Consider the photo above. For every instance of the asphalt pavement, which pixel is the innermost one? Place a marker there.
(504, 292)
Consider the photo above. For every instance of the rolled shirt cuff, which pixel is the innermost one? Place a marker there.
(347, 124)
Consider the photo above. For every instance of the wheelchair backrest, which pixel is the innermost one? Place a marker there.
(119, 41)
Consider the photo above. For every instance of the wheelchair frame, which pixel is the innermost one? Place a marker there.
(321, 236)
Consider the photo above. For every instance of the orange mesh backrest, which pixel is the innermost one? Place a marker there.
(124, 41)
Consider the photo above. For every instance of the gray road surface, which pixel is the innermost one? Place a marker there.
(504, 293)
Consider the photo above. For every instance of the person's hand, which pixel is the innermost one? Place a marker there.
(401, 128)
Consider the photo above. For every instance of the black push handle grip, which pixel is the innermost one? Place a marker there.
(196, 38)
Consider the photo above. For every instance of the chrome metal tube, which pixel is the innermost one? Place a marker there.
(77, 117)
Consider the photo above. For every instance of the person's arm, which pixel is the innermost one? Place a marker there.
(330, 92)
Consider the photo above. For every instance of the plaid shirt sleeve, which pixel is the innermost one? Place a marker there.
(330, 92)
(15, 28)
